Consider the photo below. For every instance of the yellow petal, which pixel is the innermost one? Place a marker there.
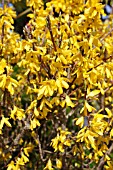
(65, 84)
(48, 165)
(7, 122)
(36, 112)
(69, 102)
(80, 121)
(108, 112)
(89, 107)
(59, 163)
(64, 61)
(93, 93)
(58, 83)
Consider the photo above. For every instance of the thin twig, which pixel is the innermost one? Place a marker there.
(51, 33)
(40, 149)
(110, 57)
(106, 35)
(20, 135)
(102, 160)
(15, 144)
(2, 36)
(23, 13)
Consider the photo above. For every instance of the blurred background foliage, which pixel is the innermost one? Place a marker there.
(21, 21)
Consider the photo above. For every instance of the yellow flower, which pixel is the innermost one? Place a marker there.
(48, 165)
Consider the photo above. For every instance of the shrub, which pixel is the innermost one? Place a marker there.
(56, 94)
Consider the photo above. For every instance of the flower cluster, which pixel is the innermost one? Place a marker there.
(56, 87)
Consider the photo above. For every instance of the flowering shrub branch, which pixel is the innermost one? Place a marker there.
(56, 87)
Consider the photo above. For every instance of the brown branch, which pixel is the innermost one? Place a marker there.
(102, 160)
(15, 144)
(106, 35)
(23, 13)
(46, 68)
(2, 36)
(20, 135)
(104, 60)
(40, 149)
(51, 33)
(64, 161)
(46, 151)
(59, 36)
(102, 101)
